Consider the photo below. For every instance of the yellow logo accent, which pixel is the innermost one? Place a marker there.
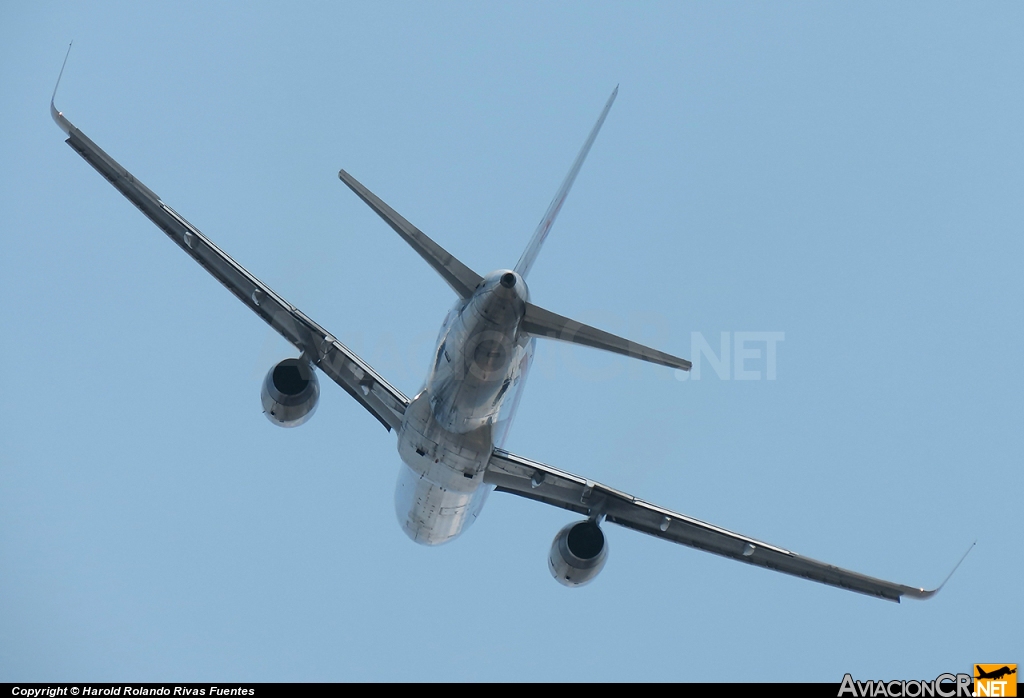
(997, 680)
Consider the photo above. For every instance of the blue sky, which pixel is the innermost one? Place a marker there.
(848, 175)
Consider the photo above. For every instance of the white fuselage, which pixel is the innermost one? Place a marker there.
(463, 411)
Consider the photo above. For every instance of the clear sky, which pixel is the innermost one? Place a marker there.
(850, 175)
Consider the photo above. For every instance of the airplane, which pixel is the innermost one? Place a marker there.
(450, 434)
(995, 674)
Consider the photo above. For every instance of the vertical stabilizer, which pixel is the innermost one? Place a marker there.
(541, 234)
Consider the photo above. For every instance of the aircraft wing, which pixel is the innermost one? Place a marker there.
(543, 483)
(344, 367)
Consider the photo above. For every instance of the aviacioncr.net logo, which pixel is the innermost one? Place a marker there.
(943, 686)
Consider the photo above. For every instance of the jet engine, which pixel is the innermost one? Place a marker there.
(290, 393)
(578, 553)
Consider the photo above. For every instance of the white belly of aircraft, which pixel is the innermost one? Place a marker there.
(440, 489)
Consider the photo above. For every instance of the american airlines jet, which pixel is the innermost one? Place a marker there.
(450, 434)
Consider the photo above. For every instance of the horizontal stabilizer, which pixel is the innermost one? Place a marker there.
(461, 278)
(544, 323)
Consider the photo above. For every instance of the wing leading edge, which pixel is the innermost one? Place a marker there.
(543, 483)
(385, 402)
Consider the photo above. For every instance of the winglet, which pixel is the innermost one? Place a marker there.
(58, 117)
(928, 593)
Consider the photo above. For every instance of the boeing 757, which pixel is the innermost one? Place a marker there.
(450, 434)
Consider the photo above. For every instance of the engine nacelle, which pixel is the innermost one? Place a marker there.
(578, 553)
(290, 393)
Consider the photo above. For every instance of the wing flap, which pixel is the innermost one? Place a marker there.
(533, 480)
